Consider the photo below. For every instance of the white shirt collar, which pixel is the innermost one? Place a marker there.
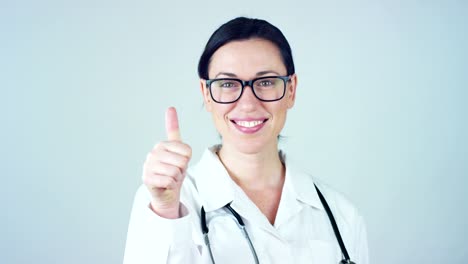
(216, 188)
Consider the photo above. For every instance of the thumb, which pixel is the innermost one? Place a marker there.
(172, 124)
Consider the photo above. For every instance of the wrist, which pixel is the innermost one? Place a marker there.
(169, 212)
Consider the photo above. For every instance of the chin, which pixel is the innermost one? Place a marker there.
(251, 145)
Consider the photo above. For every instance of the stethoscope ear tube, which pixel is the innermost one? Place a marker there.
(346, 259)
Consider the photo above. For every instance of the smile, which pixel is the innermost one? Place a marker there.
(249, 126)
(249, 123)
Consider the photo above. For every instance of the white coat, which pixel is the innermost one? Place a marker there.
(302, 232)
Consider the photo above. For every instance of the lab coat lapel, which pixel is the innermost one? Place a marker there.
(289, 205)
(298, 191)
(212, 181)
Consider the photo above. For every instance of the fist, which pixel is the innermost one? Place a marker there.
(165, 167)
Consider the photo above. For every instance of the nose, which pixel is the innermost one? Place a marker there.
(248, 99)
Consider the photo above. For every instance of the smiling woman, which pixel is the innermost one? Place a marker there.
(260, 61)
(243, 202)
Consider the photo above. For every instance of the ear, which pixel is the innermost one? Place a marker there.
(291, 91)
(206, 95)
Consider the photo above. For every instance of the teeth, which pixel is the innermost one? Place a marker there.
(249, 123)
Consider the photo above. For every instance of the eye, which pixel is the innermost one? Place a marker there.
(265, 83)
(228, 84)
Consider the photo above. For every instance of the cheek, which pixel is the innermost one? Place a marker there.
(219, 111)
(279, 113)
(280, 108)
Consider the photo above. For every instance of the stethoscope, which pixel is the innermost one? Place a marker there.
(204, 227)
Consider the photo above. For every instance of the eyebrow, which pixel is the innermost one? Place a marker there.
(232, 75)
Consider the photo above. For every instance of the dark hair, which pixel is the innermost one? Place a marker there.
(243, 28)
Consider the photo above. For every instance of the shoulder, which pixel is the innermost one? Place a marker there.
(304, 184)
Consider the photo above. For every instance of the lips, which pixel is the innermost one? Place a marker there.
(250, 125)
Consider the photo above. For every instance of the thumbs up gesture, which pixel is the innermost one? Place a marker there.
(165, 167)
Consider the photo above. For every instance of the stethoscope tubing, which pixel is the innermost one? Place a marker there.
(241, 225)
(334, 226)
(205, 230)
(246, 234)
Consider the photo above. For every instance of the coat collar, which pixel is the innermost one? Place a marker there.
(302, 185)
(216, 188)
(214, 185)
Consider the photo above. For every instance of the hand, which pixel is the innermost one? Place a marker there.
(165, 167)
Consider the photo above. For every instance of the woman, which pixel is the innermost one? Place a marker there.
(243, 202)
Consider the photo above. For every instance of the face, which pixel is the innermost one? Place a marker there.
(249, 125)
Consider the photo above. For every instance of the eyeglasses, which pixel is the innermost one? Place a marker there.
(266, 89)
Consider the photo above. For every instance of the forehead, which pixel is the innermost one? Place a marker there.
(245, 58)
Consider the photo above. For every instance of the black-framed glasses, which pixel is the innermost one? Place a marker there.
(266, 89)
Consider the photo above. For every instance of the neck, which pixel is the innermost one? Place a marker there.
(253, 171)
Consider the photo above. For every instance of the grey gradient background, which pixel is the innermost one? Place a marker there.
(380, 116)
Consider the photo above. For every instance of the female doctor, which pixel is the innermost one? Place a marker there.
(243, 202)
